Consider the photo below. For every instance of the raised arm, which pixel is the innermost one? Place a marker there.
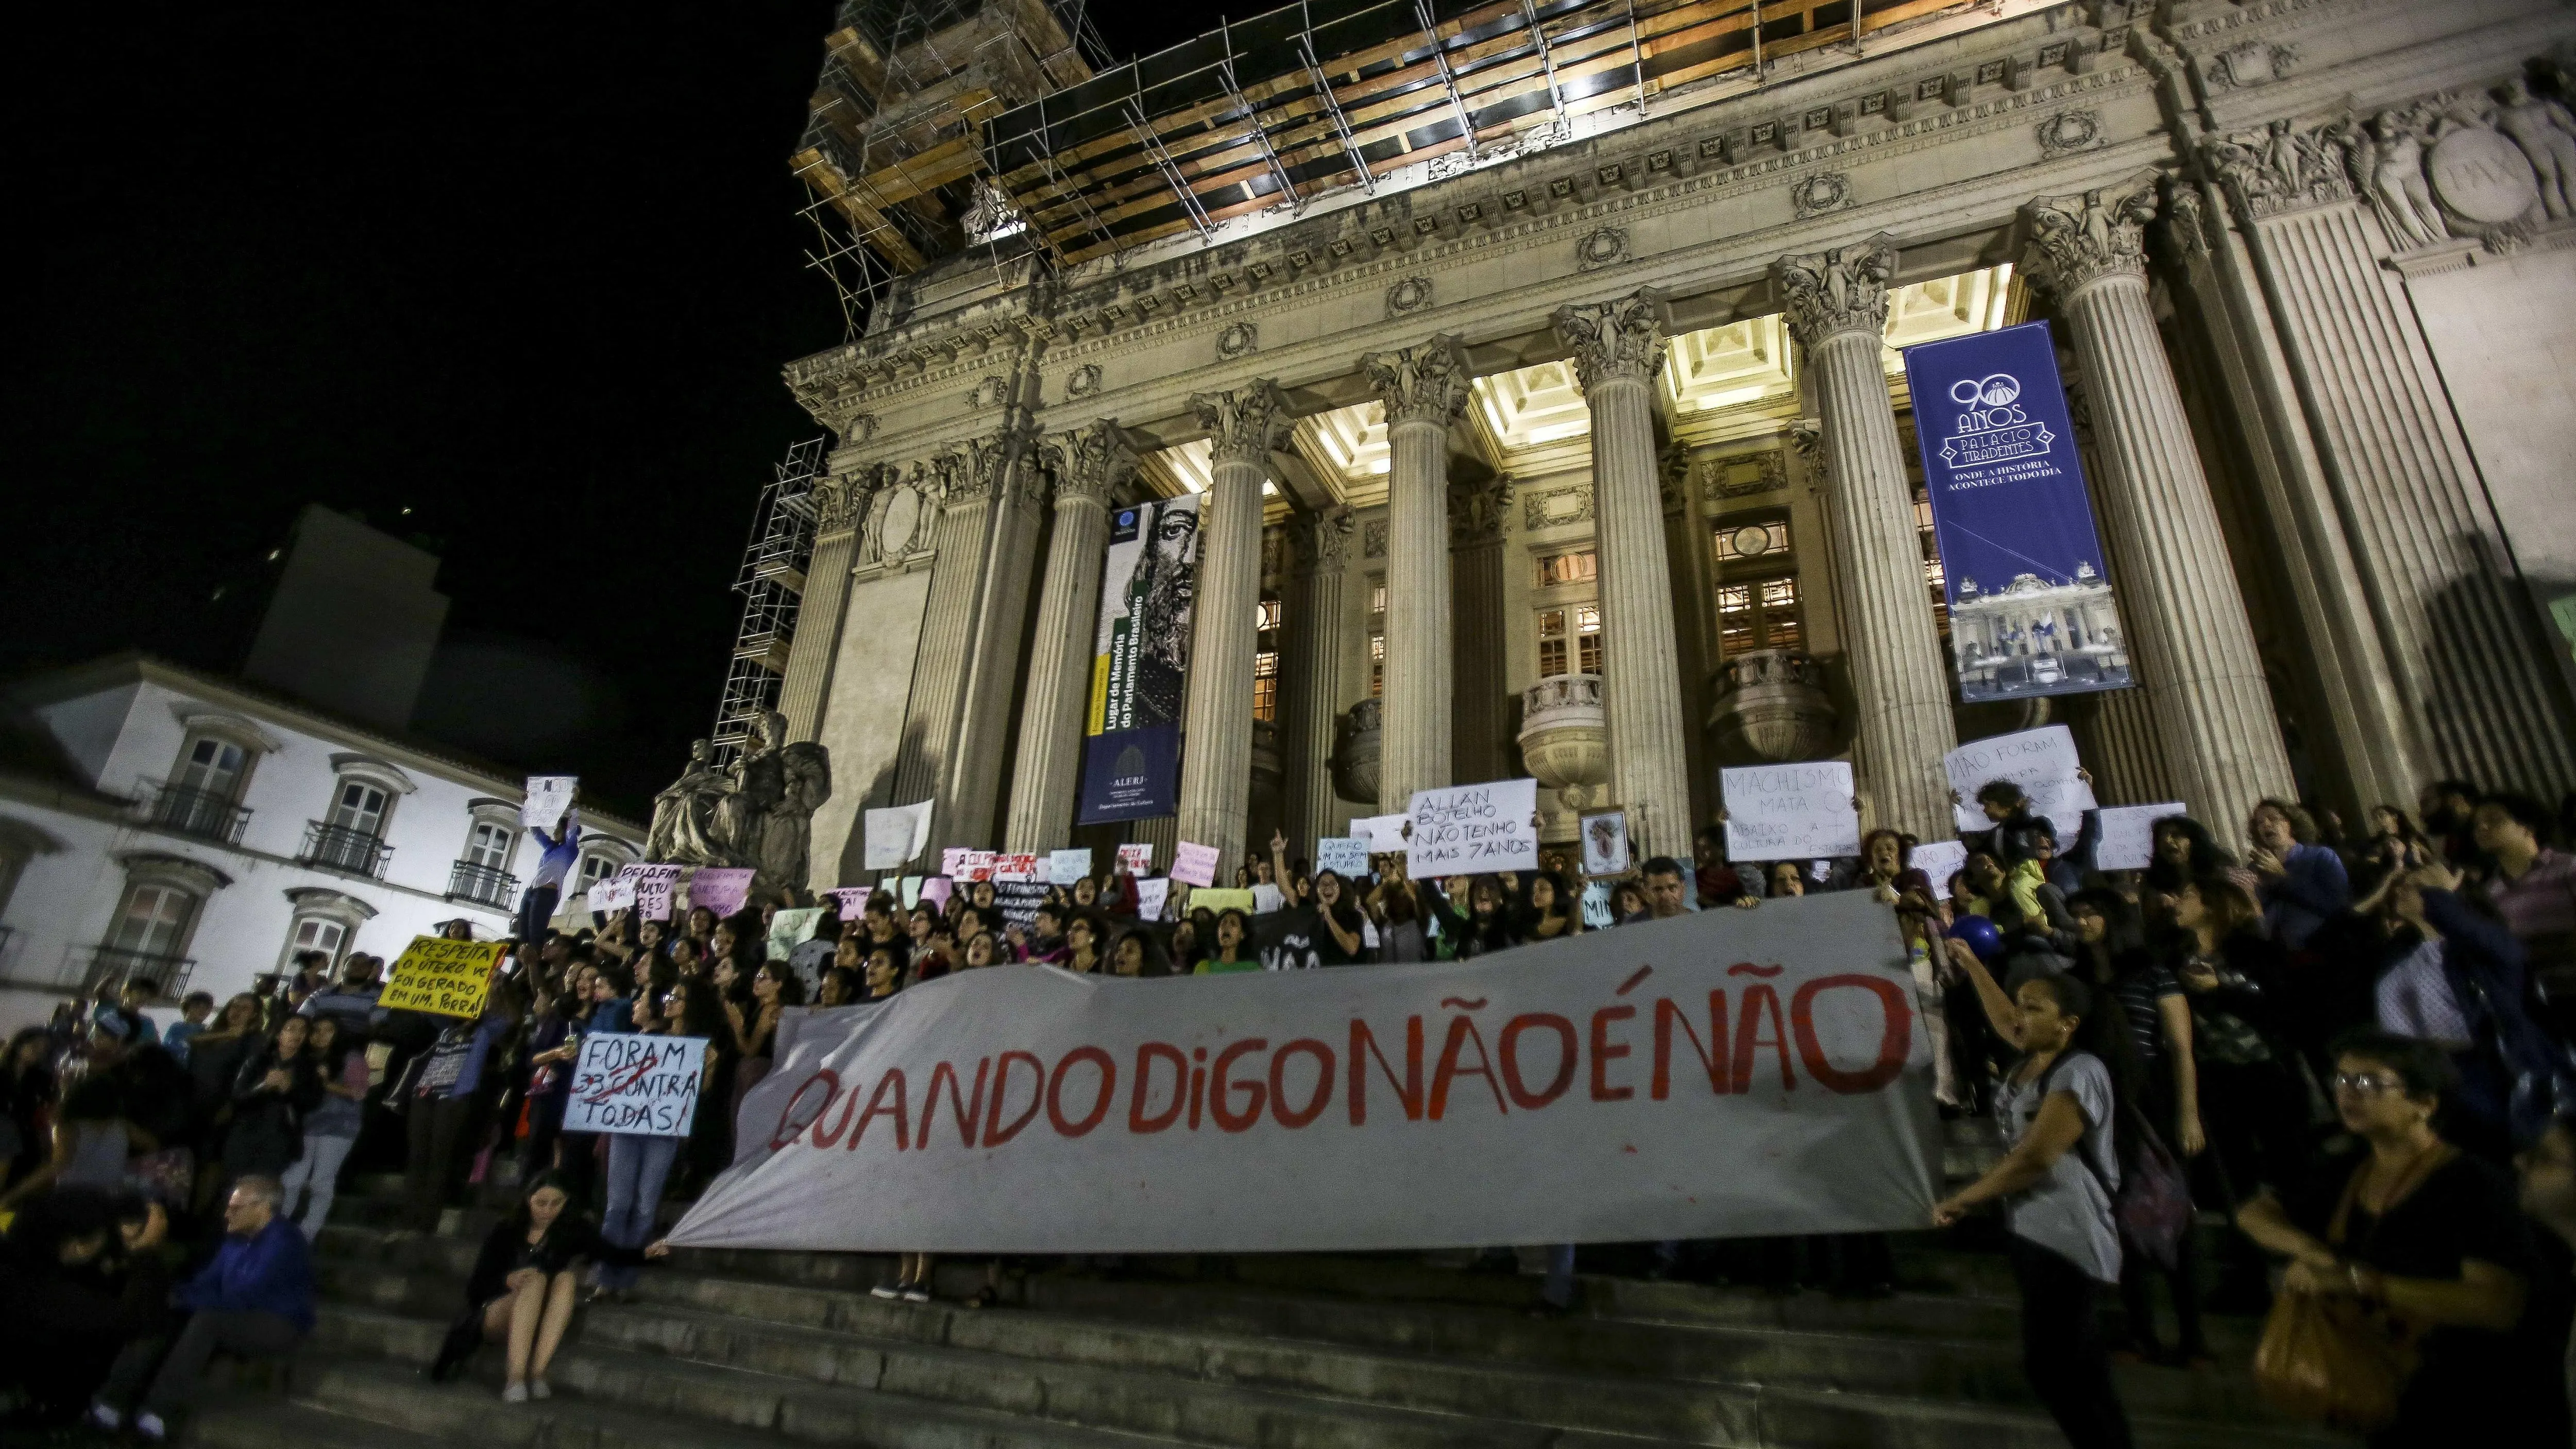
(2000, 1011)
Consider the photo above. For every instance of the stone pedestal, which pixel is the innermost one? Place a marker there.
(1617, 347)
(1355, 752)
(2177, 596)
(1423, 389)
(1088, 464)
(1837, 306)
(1247, 424)
(1565, 742)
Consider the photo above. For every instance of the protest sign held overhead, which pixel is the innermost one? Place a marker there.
(720, 888)
(896, 835)
(1233, 898)
(1194, 864)
(1721, 1074)
(448, 978)
(1018, 901)
(2041, 761)
(1151, 894)
(1344, 855)
(655, 887)
(547, 800)
(851, 900)
(1384, 833)
(1472, 829)
(1940, 859)
(1605, 843)
(1064, 867)
(1790, 812)
(636, 1085)
(1137, 857)
(790, 929)
(612, 893)
(2129, 835)
(2031, 610)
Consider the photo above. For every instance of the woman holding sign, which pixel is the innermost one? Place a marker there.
(522, 1288)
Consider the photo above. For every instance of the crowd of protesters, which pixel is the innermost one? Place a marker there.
(2215, 1027)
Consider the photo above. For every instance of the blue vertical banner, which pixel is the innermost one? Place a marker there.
(2031, 605)
(1131, 762)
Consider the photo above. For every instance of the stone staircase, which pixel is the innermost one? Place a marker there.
(733, 1349)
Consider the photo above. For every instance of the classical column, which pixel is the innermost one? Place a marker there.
(1481, 718)
(1089, 463)
(2435, 572)
(1424, 388)
(968, 652)
(1837, 306)
(1247, 424)
(1617, 347)
(840, 501)
(2187, 630)
(1690, 546)
(1312, 674)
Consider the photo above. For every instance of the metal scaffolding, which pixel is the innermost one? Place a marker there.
(771, 582)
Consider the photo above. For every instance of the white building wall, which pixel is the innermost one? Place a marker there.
(132, 735)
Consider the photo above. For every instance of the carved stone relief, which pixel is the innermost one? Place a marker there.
(2255, 63)
(1823, 192)
(1557, 505)
(1083, 382)
(1410, 295)
(1373, 538)
(2068, 132)
(1604, 247)
(1239, 339)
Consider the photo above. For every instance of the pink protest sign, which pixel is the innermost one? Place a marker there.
(720, 888)
(852, 900)
(1194, 864)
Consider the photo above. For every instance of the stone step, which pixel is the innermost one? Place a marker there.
(844, 1386)
(470, 1412)
(1452, 1359)
(237, 1422)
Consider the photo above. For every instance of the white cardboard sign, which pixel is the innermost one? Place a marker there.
(2129, 835)
(897, 834)
(1471, 829)
(1790, 812)
(636, 1085)
(2041, 761)
(547, 800)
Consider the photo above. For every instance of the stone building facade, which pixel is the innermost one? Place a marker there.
(1595, 462)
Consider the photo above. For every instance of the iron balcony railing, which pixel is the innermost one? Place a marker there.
(338, 847)
(200, 813)
(484, 884)
(112, 965)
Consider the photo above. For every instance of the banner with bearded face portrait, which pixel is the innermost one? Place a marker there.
(1131, 765)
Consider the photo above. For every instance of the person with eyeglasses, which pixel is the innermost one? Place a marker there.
(2428, 1236)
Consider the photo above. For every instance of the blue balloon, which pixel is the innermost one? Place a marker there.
(1981, 936)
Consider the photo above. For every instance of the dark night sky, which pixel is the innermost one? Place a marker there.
(528, 270)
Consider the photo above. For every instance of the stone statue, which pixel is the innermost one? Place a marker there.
(2546, 132)
(765, 818)
(684, 815)
(2397, 183)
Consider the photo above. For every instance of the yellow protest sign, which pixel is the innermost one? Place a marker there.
(438, 975)
(1222, 900)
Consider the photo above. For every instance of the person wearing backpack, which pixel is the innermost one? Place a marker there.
(2056, 1110)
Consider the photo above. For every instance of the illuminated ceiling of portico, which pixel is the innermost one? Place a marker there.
(1719, 385)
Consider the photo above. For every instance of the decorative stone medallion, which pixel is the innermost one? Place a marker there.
(1410, 295)
(988, 393)
(2482, 176)
(1825, 191)
(1600, 249)
(2069, 131)
(1237, 340)
(2255, 63)
(1084, 382)
(898, 521)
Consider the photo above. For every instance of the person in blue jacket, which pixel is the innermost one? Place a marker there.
(254, 1300)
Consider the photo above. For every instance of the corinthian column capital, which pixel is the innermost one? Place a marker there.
(2078, 239)
(1248, 424)
(1425, 384)
(1620, 339)
(1832, 292)
(1091, 461)
(1324, 540)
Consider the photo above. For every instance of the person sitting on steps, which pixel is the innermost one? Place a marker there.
(524, 1284)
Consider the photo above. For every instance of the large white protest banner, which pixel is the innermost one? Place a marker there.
(896, 834)
(1721, 1074)
(547, 799)
(2129, 835)
(636, 1085)
(1790, 812)
(1344, 855)
(1471, 829)
(2041, 761)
